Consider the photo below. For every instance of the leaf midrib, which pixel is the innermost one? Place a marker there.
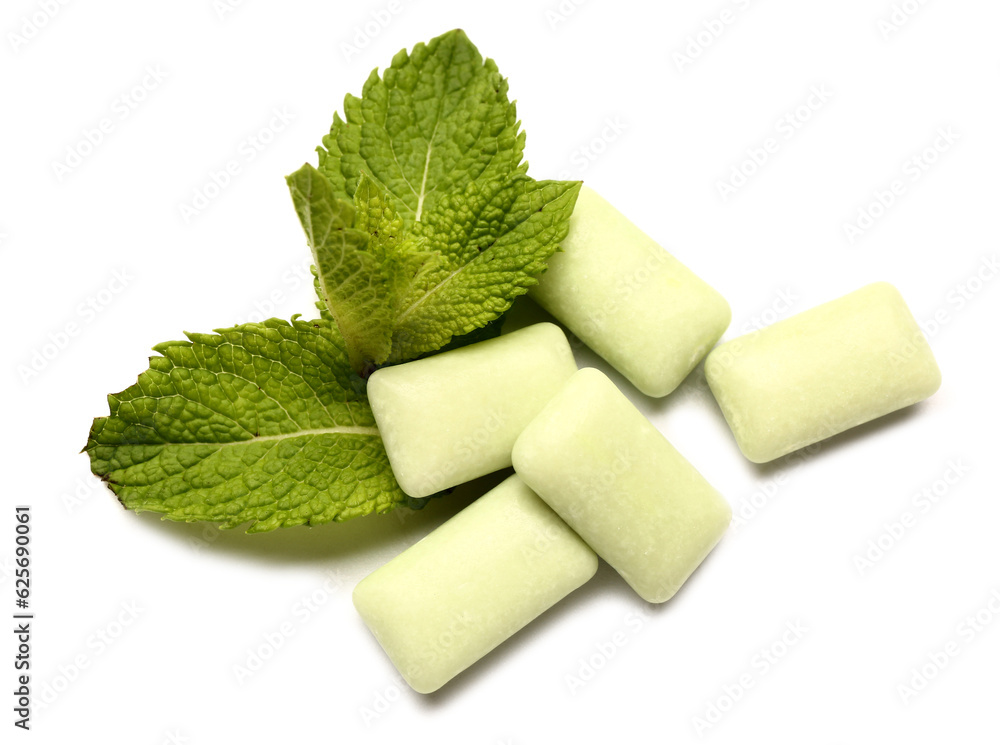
(355, 431)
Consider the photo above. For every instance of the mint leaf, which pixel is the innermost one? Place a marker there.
(396, 297)
(350, 278)
(376, 217)
(324, 312)
(424, 227)
(436, 121)
(403, 260)
(261, 423)
(430, 157)
(492, 241)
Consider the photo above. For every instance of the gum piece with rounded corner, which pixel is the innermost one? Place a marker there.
(616, 480)
(452, 597)
(629, 300)
(822, 372)
(453, 417)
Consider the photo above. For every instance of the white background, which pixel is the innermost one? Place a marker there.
(205, 601)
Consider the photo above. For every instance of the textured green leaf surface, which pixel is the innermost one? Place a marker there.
(430, 158)
(403, 259)
(437, 120)
(350, 277)
(491, 241)
(260, 423)
(376, 217)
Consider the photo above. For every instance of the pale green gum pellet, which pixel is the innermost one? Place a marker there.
(629, 300)
(616, 480)
(453, 417)
(821, 372)
(452, 597)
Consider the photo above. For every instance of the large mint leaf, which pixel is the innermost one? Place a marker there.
(262, 424)
(491, 242)
(437, 120)
(430, 159)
